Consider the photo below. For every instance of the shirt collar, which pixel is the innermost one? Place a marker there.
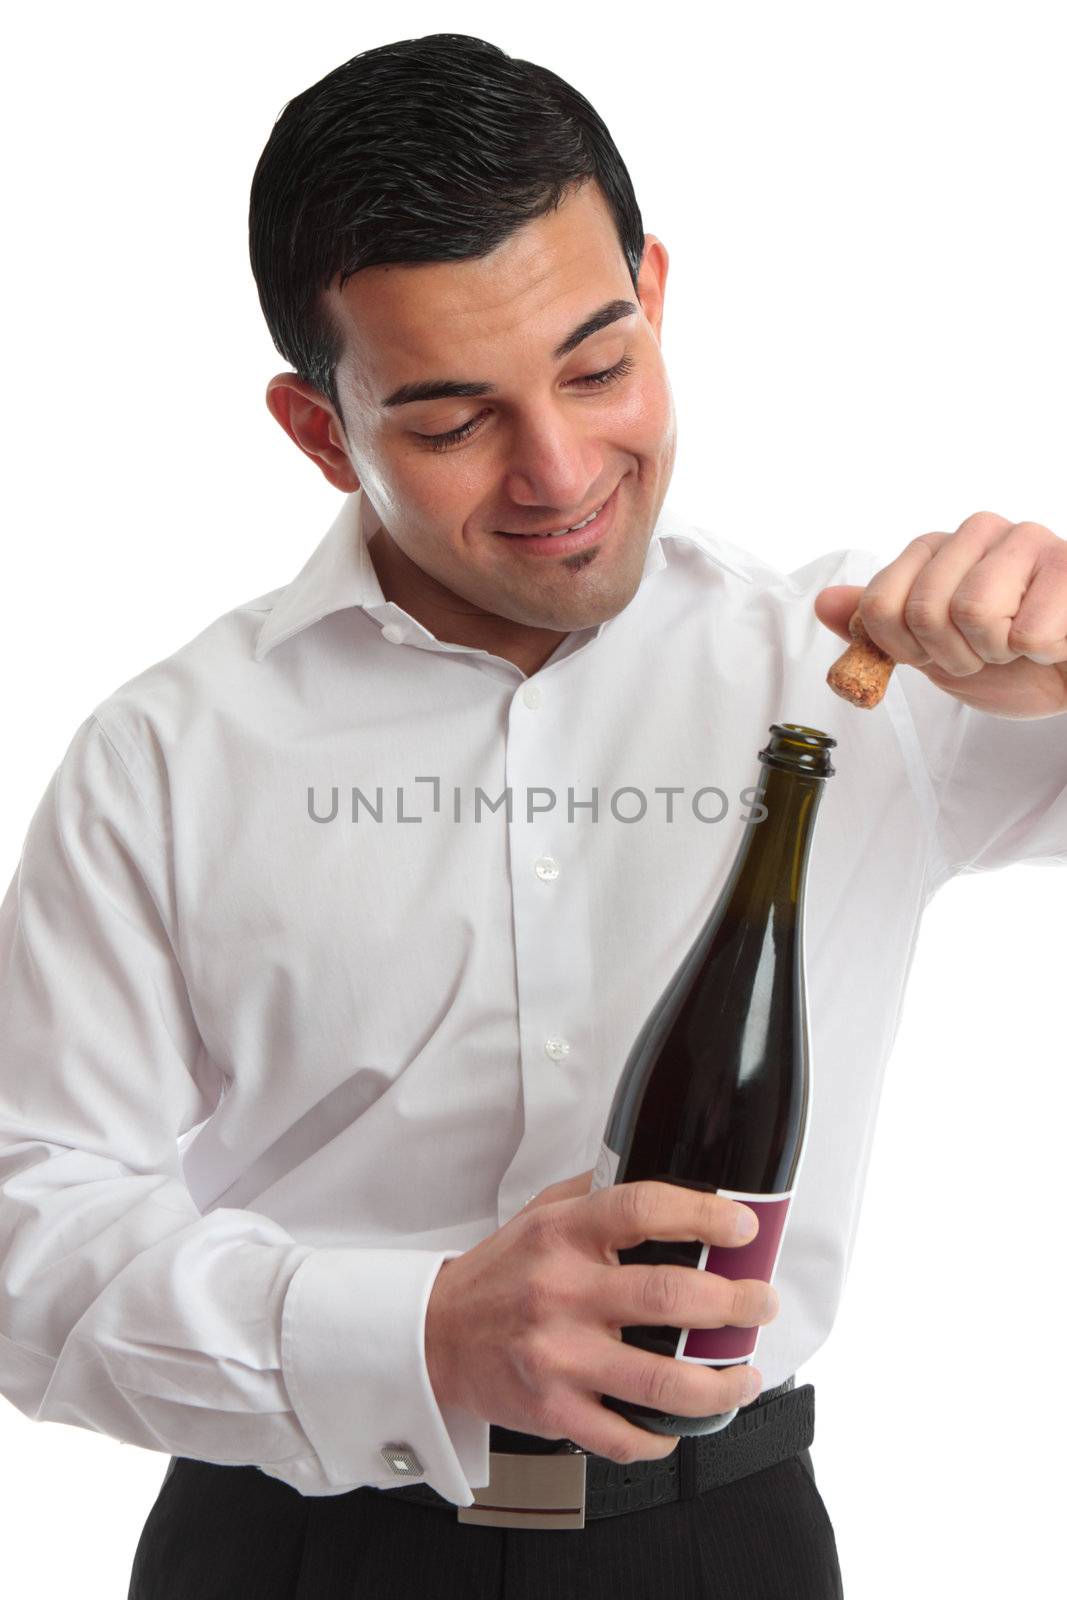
(340, 573)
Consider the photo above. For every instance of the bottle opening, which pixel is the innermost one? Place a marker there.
(796, 748)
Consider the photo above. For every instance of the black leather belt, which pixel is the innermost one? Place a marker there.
(542, 1483)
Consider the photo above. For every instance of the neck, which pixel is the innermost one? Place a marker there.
(452, 619)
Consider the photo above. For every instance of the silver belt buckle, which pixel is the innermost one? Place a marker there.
(527, 1491)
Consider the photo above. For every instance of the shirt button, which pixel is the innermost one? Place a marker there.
(531, 696)
(393, 633)
(557, 1048)
(546, 868)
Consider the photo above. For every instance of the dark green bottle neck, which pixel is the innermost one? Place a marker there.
(772, 862)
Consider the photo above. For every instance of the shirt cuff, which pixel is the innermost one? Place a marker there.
(354, 1363)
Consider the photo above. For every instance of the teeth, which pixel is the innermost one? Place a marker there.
(577, 525)
(559, 532)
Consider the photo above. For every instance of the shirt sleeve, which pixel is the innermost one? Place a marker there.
(1004, 795)
(123, 1309)
(998, 784)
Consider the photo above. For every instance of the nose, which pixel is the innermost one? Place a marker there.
(553, 467)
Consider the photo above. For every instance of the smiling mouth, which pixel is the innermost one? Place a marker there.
(557, 533)
(582, 535)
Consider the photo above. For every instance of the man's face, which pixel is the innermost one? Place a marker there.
(540, 451)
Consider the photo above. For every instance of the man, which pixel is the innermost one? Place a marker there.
(321, 960)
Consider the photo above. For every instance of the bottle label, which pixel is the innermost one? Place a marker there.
(726, 1345)
(606, 1168)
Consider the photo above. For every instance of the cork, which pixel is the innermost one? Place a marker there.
(861, 675)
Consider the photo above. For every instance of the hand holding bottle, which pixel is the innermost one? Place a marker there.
(523, 1329)
(716, 1091)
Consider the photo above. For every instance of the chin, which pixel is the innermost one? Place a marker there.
(589, 616)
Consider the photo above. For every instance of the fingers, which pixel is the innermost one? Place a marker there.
(677, 1388)
(957, 600)
(627, 1214)
(902, 613)
(662, 1384)
(583, 1302)
(604, 1433)
(679, 1297)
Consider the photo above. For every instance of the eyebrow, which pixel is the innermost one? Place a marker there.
(455, 388)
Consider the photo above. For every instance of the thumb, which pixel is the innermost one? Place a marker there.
(834, 607)
(566, 1189)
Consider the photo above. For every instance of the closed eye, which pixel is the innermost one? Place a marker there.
(444, 441)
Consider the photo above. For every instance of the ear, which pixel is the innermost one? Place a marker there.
(652, 282)
(314, 427)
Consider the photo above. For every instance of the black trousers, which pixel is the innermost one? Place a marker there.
(232, 1533)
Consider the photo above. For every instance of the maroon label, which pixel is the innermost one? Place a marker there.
(755, 1260)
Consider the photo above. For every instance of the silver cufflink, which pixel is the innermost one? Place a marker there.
(401, 1460)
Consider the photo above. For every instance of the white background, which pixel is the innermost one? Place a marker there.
(866, 336)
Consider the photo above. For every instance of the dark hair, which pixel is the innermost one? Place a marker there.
(431, 149)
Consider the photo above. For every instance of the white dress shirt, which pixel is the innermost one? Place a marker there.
(263, 1071)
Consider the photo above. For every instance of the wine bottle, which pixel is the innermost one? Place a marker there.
(715, 1091)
